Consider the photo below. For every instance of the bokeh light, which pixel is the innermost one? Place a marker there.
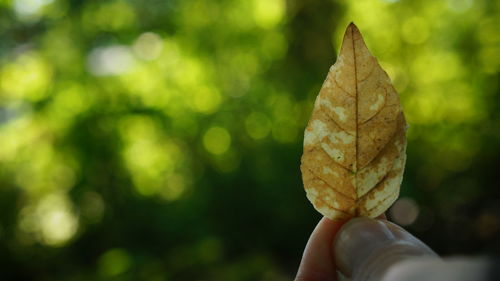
(405, 211)
(217, 140)
(51, 221)
(114, 262)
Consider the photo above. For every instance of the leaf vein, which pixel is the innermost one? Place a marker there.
(381, 108)
(334, 161)
(381, 181)
(336, 123)
(393, 137)
(342, 89)
(328, 184)
(369, 74)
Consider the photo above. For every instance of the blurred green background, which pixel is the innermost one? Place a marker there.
(161, 139)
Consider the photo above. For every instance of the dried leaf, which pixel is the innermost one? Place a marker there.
(354, 144)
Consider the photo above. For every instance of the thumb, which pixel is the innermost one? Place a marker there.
(366, 248)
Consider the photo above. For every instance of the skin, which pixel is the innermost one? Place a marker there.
(318, 263)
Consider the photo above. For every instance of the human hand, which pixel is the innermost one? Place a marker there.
(377, 250)
(363, 249)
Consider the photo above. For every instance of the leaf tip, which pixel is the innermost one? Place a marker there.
(352, 27)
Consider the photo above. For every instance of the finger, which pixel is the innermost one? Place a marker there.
(456, 269)
(366, 248)
(317, 261)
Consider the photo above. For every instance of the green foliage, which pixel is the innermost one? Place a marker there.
(160, 140)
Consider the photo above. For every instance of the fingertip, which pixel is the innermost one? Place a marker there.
(317, 260)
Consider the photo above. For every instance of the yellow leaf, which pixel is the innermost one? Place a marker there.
(354, 144)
